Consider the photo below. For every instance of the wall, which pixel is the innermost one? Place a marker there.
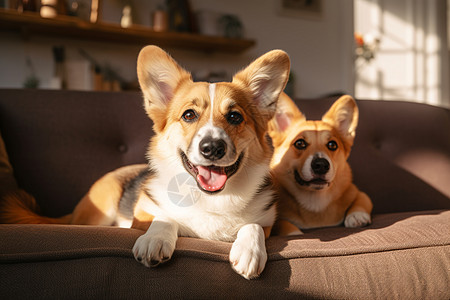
(321, 49)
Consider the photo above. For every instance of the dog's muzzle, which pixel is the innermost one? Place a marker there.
(212, 149)
(320, 167)
(212, 178)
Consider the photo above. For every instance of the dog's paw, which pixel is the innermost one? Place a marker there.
(156, 245)
(153, 250)
(357, 219)
(248, 254)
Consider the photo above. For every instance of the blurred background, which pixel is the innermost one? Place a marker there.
(372, 49)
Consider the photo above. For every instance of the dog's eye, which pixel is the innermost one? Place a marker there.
(234, 118)
(300, 144)
(189, 115)
(332, 145)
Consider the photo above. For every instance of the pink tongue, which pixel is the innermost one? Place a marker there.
(211, 179)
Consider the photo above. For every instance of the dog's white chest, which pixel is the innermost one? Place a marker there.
(220, 220)
(215, 217)
(210, 226)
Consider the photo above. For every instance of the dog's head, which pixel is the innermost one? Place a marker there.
(309, 155)
(212, 130)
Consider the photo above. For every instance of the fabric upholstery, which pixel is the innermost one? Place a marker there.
(79, 136)
(60, 142)
(402, 255)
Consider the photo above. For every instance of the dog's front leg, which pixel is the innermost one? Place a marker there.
(157, 244)
(358, 215)
(248, 254)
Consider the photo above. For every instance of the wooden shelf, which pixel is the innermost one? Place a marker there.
(30, 24)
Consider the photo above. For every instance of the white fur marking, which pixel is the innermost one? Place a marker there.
(306, 172)
(212, 92)
(123, 222)
(357, 219)
(217, 133)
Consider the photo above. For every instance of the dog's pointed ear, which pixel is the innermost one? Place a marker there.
(287, 113)
(266, 78)
(159, 76)
(343, 115)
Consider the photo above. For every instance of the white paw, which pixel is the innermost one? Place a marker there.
(357, 219)
(297, 232)
(248, 254)
(155, 246)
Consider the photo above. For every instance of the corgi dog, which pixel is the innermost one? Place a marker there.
(309, 165)
(208, 172)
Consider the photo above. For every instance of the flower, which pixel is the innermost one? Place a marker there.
(366, 46)
(359, 39)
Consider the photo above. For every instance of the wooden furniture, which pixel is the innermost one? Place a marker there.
(30, 24)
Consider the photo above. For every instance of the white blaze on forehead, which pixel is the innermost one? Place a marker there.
(215, 132)
(212, 92)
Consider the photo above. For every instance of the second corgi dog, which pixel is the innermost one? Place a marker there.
(311, 169)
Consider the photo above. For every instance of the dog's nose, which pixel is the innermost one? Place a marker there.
(212, 149)
(320, 165)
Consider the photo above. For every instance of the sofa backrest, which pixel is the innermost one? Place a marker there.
(60, 142)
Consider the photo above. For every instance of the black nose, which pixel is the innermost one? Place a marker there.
(212, 149)
(320, 166)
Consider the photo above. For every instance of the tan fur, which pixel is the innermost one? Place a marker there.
(267, 231)
(303, 206)
(97, 207)
(19, 207)
(142, 219)
(169, 73)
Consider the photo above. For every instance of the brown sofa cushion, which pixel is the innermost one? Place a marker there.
(403, 255)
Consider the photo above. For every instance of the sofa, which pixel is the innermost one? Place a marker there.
(57, 143)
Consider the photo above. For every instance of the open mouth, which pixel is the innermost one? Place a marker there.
(317, 182)
(210, 179)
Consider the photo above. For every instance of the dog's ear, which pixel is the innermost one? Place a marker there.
(287, 113)
(343, 115)
(266, 78)
(159, 75)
